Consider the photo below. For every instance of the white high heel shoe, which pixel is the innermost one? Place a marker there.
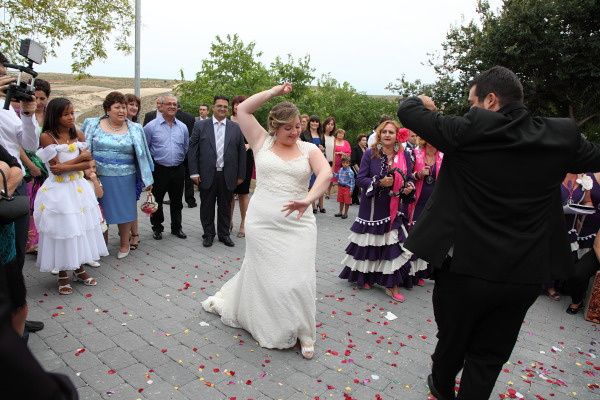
(307, 351)
(123, 255)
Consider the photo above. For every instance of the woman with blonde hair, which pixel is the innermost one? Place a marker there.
(273, 294)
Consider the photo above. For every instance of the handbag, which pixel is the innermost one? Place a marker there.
(150, 206)
(11, 207)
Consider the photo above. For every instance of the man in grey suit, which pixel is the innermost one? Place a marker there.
(217, 161)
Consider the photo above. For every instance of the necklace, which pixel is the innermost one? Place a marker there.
(114, 128)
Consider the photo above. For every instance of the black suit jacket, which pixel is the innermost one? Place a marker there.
(202, 155)
(497, 200)
(149, 116)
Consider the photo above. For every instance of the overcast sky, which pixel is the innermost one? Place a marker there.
(367, 43)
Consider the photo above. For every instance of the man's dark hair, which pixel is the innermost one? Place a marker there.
(3, 59)
(220, 98)
(43, 85)
(203, 105)
(498, 80)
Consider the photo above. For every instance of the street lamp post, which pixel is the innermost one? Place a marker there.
(138, 18)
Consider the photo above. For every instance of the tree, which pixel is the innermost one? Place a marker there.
(233, 68)
(49, 22)
(553, 46)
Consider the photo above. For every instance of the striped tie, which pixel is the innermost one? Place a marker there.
(220, 142)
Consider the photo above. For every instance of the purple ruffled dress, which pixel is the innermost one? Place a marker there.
(591, 223)
(375, 254)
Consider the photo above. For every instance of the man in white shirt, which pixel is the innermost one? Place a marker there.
(202, 112)
(15, 133)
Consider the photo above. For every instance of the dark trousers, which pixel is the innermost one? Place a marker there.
(478, 324)
(168, 180)
(217, 194)
(585, 268)
(189, 186)
(356, 191)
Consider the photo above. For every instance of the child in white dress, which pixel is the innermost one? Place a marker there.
(66, 210)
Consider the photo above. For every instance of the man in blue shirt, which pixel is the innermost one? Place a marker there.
(168, 141)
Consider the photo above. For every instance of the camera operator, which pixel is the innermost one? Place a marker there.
(15, 133)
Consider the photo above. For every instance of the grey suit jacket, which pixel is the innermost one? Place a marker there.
(202, 155)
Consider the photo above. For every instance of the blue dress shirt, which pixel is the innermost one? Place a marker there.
(168, 144)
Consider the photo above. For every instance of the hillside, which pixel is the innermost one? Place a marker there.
(87, 94)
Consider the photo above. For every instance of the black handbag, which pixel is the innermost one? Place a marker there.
(11, 207)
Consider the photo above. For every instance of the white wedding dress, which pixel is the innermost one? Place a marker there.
(273, 295)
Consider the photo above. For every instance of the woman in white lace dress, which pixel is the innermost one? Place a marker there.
(273, 295)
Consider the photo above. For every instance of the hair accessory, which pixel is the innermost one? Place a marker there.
(402, 135)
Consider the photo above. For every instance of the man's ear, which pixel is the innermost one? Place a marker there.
(491, 102)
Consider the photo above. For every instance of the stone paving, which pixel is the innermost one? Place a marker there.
(142, 334)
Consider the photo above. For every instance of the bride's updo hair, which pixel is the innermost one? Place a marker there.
(283, 113)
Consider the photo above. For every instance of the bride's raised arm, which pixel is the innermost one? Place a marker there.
(253, 131)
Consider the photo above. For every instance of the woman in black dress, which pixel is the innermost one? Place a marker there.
(357, 153)
(242, 191)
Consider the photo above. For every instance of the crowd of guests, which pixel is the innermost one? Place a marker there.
(80, 180)
(391, 180)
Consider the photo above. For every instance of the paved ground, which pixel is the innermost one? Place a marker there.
(141, 333)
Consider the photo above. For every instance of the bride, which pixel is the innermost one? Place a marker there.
(273, 295)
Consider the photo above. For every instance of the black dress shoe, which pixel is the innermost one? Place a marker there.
(157, 235)
(192, 205)
(434, 391)
(337, 215)
(179, 234)
(207, 241)
(572, 310)
(34, 326)
(226, 240)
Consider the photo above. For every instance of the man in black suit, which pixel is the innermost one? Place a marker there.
(188, 120)
(494, 225)
(217, 161)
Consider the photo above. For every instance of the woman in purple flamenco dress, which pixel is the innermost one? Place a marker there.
(375, 254)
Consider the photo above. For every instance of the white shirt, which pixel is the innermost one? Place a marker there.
(17, 132)
(372, 138)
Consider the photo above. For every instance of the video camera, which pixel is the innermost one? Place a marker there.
(22, 91)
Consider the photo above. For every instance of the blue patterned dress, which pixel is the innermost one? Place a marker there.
(122, 161)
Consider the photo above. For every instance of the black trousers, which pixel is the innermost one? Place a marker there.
(478, 325)
(585, 268)
(189, 186)
(217, 194)
(168, 180)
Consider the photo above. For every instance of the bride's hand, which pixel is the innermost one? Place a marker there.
(296, 205)
(282, 89)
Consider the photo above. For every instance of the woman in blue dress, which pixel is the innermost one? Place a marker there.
(121, 153)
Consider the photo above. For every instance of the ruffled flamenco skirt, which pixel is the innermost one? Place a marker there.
(68, 219)
(375, 255)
